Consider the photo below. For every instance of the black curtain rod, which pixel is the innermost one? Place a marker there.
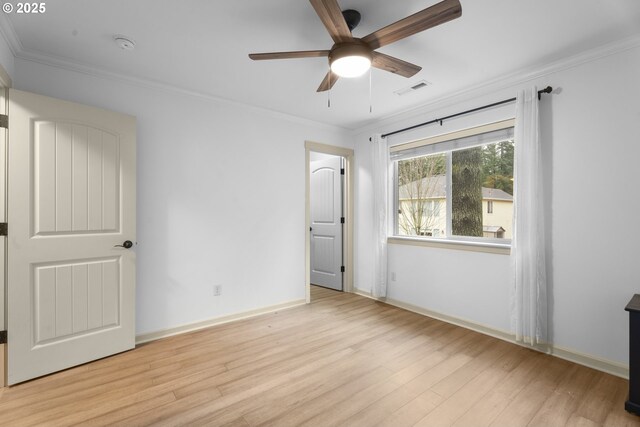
(547, 89)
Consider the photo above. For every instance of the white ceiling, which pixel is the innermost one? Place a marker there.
(202, 45)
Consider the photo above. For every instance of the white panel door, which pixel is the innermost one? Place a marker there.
(71, 202)
(326, 228)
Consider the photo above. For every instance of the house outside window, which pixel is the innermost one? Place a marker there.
(457, 186)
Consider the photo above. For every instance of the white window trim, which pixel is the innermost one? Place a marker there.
(490, 127)
(455, 244)
(478, 244)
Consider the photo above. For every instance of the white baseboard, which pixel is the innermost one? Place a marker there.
(152, 336)
(587, 360)
(604, 365)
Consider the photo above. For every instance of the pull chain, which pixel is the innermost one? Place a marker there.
(370, 101)
(329, 91)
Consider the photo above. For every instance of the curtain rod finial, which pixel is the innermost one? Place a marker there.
(547, 89)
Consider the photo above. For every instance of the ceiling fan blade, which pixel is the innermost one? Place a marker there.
(329, 80)
(394, 65)
(331, 16)
(289, 55)
(428, 18)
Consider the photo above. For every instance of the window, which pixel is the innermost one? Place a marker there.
(457, 186)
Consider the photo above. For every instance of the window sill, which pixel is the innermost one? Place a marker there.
(492, 248)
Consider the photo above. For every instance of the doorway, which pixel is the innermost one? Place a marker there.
(329, 219)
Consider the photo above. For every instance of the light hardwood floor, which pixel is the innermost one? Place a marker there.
(342, 360)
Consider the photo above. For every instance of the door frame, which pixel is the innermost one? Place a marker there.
(5, 85)
(347, 241)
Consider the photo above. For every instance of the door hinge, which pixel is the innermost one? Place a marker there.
(3, 337)
(342, 269)
(4, 121)
(4, 229)
(341, 171)
(342, 220)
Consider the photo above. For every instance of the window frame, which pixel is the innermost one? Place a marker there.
(482, 244)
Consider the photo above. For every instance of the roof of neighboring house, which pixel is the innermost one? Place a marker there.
(435, 188)
(495, 194)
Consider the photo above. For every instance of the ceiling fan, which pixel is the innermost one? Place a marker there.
(351, 56)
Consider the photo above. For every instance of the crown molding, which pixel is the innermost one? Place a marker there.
(502, 83)
(68, 65)
(9, 34)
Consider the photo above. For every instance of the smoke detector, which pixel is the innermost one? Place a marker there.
(124, 43)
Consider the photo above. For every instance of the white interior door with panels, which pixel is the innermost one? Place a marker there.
(327, 221)
(72, 221)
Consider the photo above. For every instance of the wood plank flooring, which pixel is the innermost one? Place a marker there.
(343, 360)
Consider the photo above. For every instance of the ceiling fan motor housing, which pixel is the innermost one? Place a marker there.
(356, 47)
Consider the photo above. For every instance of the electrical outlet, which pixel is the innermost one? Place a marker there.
(393, 276)
(217, 290)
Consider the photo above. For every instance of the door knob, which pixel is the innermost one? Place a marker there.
(127, 244)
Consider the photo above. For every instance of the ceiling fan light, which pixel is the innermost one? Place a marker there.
(351, 59)
(351, 66)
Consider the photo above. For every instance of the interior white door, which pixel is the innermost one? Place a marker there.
(326, 227)
(71, 201)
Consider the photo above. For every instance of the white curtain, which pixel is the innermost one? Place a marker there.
(529, 292)
(380, 220)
